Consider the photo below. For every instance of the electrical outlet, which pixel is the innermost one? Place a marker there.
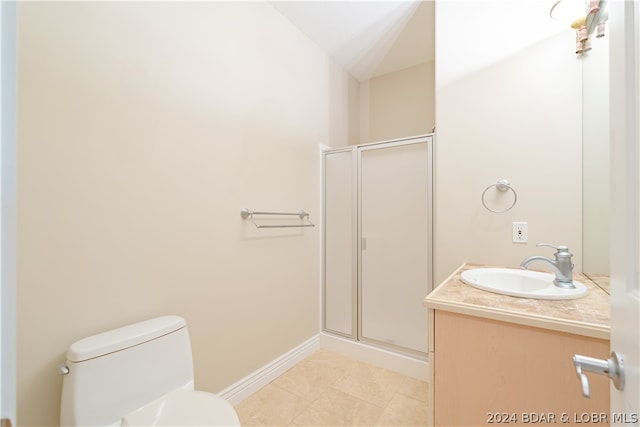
(520, 232)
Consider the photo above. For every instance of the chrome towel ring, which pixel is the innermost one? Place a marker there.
(502, 185)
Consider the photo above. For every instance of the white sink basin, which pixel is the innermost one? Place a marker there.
(520, 283)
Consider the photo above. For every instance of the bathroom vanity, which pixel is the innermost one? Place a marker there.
(497, 359)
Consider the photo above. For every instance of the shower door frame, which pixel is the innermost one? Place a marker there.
(353, 150)
(356, 189)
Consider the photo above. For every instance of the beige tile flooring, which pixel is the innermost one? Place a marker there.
(328, 389)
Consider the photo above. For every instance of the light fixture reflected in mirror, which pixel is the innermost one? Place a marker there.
(583, 16)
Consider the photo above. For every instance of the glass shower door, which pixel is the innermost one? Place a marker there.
(395, 259)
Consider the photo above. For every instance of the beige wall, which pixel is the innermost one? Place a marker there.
(144, 128)
(517, 118)
(398, 104)
(344, 110)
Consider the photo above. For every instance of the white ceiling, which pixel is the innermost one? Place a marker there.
(374, 37)
(368, 38)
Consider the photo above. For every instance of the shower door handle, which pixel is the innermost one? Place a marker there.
(363, 244)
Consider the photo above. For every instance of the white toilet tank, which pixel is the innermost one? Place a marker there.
(116, 372)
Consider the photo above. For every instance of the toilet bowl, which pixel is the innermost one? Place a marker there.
(138, 375)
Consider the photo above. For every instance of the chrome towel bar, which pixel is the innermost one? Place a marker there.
(246, 213)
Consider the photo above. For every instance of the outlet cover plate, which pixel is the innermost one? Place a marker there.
(520, 232)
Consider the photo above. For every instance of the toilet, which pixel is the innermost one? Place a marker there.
(138, 375)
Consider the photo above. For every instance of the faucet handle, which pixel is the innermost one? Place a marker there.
(547, 244)
(557, 248)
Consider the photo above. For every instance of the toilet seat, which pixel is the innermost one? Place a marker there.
(184, 408)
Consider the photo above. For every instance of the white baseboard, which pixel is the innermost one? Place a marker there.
(399, 363)
(253, 382)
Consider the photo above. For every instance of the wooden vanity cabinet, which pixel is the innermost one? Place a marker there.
(487, 372)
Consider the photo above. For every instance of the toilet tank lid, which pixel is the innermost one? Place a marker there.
(121, 338)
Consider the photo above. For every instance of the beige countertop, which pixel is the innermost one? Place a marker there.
(587, 316)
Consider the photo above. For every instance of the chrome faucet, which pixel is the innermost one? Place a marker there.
(562, 265)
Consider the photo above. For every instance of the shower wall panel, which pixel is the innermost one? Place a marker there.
(340, 257)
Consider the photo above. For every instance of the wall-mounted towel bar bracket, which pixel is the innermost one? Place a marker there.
(246, 213)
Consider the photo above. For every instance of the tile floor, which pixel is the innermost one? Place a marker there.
(328, 389)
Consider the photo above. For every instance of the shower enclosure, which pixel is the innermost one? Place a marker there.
(378, 242)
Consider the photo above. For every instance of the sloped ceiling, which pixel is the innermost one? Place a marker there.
(368, 38)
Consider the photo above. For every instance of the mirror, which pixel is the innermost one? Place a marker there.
(595, 167)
